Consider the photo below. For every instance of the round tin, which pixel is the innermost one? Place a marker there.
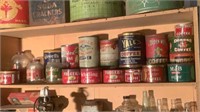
(157, 48)
(133, 75)
(91, 76)
(14, 13)
(71, 76)
(154, 73)
(181, 72)
(131, 50)
(184, 29)
(9, 77)
(183, 57)
(113, 76)
(72, 55)
(51, 54)
(109, 53)
(88, 51)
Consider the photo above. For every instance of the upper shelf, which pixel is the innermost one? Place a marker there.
(154, 18)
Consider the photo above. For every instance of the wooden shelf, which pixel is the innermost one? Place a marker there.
(16, 106)
(154, 18)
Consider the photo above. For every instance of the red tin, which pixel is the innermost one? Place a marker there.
(113, 76)
(157, 48)
(153, 73)
(9, 77)
(182, 57)
(14, 13)
(183, 29)
(71, 76)
(133, 75)
(91, 76)
(72, 56)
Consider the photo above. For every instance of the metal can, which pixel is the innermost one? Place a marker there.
(9, 77)
(157, 48)
(181, 72)
(109, 53)
(182, 57)
(91, 76)
(88, 51)
(71, 52)
(131, 50)
(184, 29)
(14, 13)
(113, 76)
(133, 75)
(71, 76)
(51, 54)
(154, 73)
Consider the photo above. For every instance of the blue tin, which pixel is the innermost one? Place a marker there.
(51, 54)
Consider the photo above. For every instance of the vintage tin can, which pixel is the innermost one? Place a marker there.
(109, 53)
(51, 54)
(181, 72)
(14, 13)
(182, 57)
(157, 48)
(133, 75)
(131, 50)
(142, 6)
(72, 56)
(71, 76)
(89, 51)
(93, 9)
(113, 76)
(91, 76)
(184, 29)
(154, 73)
(9, 77)
(45, 12)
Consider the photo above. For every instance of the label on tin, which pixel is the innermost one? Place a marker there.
(6, 79)
(70, 76)
(181, 45)
(90, 76)
(53, 75)
(184, 29)
(181, 57)
(72, 56)
(153, 74)
(133, 75)
(33, 75)
(113, 76)
(51, 55)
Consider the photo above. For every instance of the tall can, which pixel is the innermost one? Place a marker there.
(14, 13)
(109, 53)
(157, 48)
(131, 50)
(89, 51)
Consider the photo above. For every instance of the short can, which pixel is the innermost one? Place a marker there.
(71, 54)
(157, 48)
(184, 29)
(133, 75)
(51, 54)
(154, 73)
(131, 50)
(91, 75)
(113, 76)
(182, 57)
(9, 77)
(71, 76)
(109, 53)
(184, 72)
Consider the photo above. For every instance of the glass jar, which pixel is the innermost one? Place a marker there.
(53, 71)
(126, 105)
(34, 72)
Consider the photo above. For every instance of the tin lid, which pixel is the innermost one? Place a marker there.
(130, 33)
(130, 66)
(150, 66)
(75, 44)
(88, 37)
(5, 72)
(184, 24)
(52, 51)
(160, 35)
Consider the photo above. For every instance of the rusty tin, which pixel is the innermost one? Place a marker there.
(72, 56)
(133, 75)
(184, 29)
(91, 76)
(9, 77)
(157, 48)
(71, 76)
(113, 76)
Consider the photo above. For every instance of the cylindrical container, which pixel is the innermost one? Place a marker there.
(131, 50)
(71, 52)
(71, 76)
(91, 76)
(88, 51)
(182, 57)
(14, 13)
(184, 29)
(109, 53)
(181, 72)
(154, 73)
(93, 9)
(157, 48)
(142, 6)
(113, 76)
(9, 77)
(133, 75)
(51, 54)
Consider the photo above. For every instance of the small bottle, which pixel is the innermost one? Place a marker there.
(159, 105)
(145, 102)
(134, 102)
(178, 103)
(173, 106)
(152, 102)
(165, 105)
(126, 105)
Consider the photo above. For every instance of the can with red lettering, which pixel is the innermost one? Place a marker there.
(14, 13)
(113, 76)
(91, 75)
(154, 73)
(133, 75)
(71, 76)
(9, 77)
(184, 29)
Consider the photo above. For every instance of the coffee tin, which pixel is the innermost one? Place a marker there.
(71, 76)
(113, 76)
(131, 50)
(181, 72)
(184, 29)
(72, 56)
(154, 73)
(89, 51)
(91, 76)
(157, 48)
(183, 57)
(51, 54)
(14, 13)
(9, 77)
(133, 75)
(109, 53)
